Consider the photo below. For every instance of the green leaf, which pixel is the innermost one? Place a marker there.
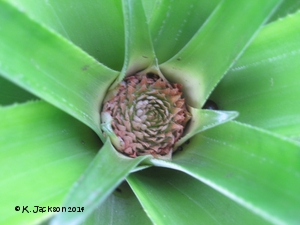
(10, 93)
(51, 67)
(138, 46)
(95, 26)
(139, 53)
(256, 169)
(171, 197)
(149, 7)
(108, 169)
(264, 84)
(287, 7)
(121, 207)
(203, 120)
(200, 65)
(173, 23)
(42, 153)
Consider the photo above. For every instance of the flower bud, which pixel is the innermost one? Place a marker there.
(148, 115)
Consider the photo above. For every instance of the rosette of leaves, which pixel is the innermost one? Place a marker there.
(70, 54)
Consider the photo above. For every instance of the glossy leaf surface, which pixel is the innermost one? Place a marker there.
(121, 207)
(205, 119)
(258, 170)
(200, 65)
(264, 84)
(42, 152)
(52, 68)
(106, 171)
(139, 53)
(181, 199)
(95, 26)
(173, 23)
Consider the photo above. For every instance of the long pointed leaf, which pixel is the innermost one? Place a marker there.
(42, 153)
(264, 84)
(181, 199)
(173, 23)
(95, 26)
(256, 169)
(200, 65)
(51, 67)
(121, 207)
(205, 119)
(105, 173)
(139, 53)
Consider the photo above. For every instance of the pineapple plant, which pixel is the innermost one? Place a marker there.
(149, 112)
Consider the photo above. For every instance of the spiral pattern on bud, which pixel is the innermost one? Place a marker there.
(149, 115)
